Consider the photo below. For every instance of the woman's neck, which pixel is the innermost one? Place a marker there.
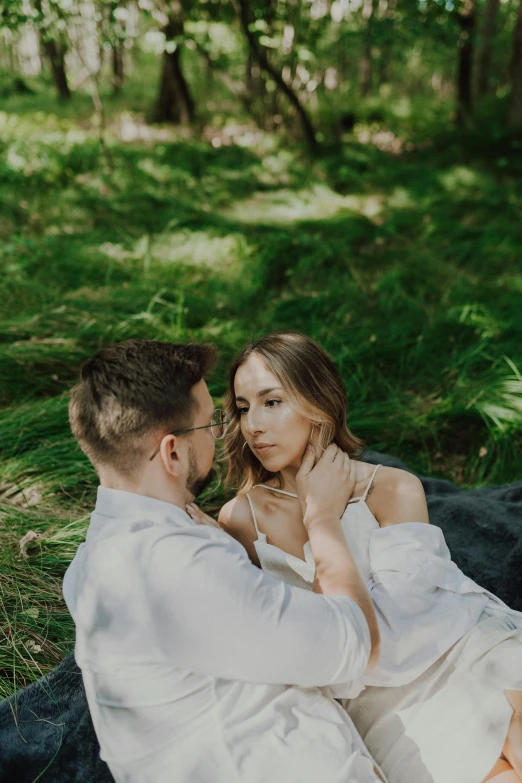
(288, 482)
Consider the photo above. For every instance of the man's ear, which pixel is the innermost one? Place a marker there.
(170, 456)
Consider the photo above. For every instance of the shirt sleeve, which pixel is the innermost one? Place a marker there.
(218, 614)
(423, 601)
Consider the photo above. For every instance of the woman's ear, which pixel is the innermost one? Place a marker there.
(170, 456)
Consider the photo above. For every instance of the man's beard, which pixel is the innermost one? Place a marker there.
(195, 483)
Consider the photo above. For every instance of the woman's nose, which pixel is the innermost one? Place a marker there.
(254, 422)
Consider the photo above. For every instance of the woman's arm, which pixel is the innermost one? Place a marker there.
(398, 497)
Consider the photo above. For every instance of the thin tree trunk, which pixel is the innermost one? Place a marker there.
(259, 55)
(256, 90)
(484, 54)
(384, 67)
(118, 70)
(466, 19)
(11, 53)
(365, 64)
(56, 55)
(515, 110)
(174, 103)
(387, 42)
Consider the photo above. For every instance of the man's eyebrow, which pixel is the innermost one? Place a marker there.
(260, 393)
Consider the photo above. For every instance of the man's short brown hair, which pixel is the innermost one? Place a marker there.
(131, 389)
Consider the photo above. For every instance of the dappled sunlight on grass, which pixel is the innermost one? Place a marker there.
(201, 248)
(316, 203)
(42, 127)
(183, 246)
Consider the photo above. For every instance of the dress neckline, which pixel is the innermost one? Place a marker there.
(307, 548)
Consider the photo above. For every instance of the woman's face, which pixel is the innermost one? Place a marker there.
(273, 428)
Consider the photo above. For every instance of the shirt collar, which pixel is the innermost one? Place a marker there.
(121, 505)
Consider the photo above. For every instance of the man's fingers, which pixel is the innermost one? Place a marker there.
(193, 512)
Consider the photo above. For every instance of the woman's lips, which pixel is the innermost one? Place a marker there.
(263, 449)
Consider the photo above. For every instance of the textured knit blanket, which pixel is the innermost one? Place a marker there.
(46, 731)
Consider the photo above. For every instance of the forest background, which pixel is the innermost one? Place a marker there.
(212, 170)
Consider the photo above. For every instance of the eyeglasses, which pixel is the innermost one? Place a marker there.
(218, 427)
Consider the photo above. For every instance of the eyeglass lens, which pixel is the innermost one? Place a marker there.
(218, 429)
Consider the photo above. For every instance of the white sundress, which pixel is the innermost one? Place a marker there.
(434, 709)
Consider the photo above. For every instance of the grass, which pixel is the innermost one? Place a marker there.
(404, 264)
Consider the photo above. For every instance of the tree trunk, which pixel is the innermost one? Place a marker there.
(515, 110)
(259, 55)
(174, 102)
(365, 64)
(118, 70)
(487, 35)
(11, 53)
(255, 88)
(384, 64)
(466, 19)
(55, 53)
(387, 38)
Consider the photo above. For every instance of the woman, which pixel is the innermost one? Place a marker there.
(444, 704)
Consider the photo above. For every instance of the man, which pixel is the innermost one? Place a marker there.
(199, 667)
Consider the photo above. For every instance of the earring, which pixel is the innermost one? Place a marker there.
(311, 434)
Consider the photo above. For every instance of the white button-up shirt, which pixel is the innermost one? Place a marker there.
(201, 668)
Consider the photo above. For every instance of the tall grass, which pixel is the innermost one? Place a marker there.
(405, 267)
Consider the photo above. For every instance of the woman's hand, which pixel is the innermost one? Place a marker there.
(200, 517)
(324, 490)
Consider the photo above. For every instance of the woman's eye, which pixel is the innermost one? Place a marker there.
(241, 411)
(272, 403)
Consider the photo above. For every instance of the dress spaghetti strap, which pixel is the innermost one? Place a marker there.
(293, 495)
(362, 498)
(259, 535)
(273, 489)
(370, 482)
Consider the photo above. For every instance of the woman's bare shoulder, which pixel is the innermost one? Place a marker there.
(236, 515)
(397, 496)
(396, 479)
(236, 518)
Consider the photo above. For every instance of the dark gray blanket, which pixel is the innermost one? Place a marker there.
(53, 730)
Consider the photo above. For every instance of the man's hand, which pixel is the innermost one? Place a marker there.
(324, 490)
(200, 517)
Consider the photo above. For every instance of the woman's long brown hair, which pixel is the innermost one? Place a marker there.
(312, 383)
